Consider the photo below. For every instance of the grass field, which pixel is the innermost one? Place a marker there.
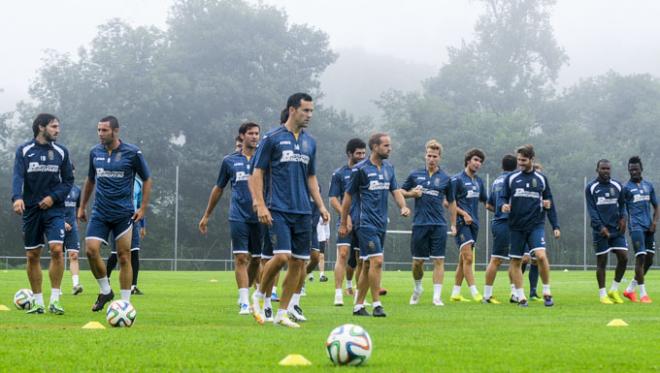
(186, 322)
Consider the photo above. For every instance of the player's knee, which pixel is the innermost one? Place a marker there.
(496, 261)
(241, 260)
(376, 262)
(418, 263)
(32, 256)
(467, 257)
(73, 255)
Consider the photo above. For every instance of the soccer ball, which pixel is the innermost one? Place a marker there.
(348, 345)
(121, 313)
(23, 299)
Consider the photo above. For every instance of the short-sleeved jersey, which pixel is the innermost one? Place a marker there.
(288, 162)
(339, 182)
(605, 204)
(235, 170)
(372, 185)
(71, 204)
(435, 189)
(525, 192)
(495, 200)
(468, 192)
(41, 170)
(114, 173)
(639, 198)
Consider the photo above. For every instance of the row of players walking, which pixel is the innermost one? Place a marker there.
(275, 194)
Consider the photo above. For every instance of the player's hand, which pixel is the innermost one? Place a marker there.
(19, 206)
(82, 215)
(139, 214)
(557, 233)
(67, 227)
(143, 232)
(453, 231)
(405, 211)
(547, 204)
(605, 232)
(264, 215)
(506, 208)
(468, 219)
(344, 230)
(622, 225)
(325, 215)
(652, 228)
(203, 223)
(417, 192)
(46, 203)
(349, 221)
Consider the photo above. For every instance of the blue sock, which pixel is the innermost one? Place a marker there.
(533, 278)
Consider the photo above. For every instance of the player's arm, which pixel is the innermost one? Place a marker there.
(18, 179)
(596, 223)
(86, 194)
(344, 226)
(490, 203)
(214, 197)
(505, 195)
(256, 185)
(335, 192)
(623, 213)
(313, 187)
(401, 202)
(450, 202)
(656, 211)
(146, 193)
(409, 190)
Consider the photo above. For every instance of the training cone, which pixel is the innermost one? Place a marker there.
(295, 360)
(617, 322)
(213, 280)
(3, 307)
(93, 325)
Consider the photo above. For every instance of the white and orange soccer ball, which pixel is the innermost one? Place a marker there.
(121, 313)
(349, 345)
(23, 299)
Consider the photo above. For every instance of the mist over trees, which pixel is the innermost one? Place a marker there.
(181, 92)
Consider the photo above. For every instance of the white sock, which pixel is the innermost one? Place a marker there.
(267, 303)
(456, 290)
(631, 286)
(54, 295)
(281, 313)
(418, 286)
(602, 292)
(615, 286)
(274, 289)
(376, 304)
(488, 291)
(104, 284)
(642, 290)
(473, 290)
(358, 307)
(546, 289)
(321, 274)
(520, 293)
(258, 294)
(437, 290)
(243, 294)
(338, 292)
(349, 284)
(39, 299)
(125, 294)
(295, 300)
(76, 280)
(513, 289)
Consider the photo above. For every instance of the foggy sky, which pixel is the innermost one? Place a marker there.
(598, 35)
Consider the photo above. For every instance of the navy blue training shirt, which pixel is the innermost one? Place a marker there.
(525, 192)
(639, 199)
(71, 205)
(495, 200)
(468, 192)
(235, 169)
(339, 183)
(435, 189)
(372, 185)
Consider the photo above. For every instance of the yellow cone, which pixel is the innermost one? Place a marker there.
(93, 325)
(213, 280)
(294, 360)
(3, 307)
(617, 322)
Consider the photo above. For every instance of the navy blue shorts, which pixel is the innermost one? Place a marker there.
(602, 245)
(428, 242)
(535, 238)
(135, 241)
(643, 242)
(246, 238)
(466, 234)
(267, 248)
(501, 239)
(372, 242)
(72, 239)
(314, 244)
(290, 234)
(38, 223)
(100, 228)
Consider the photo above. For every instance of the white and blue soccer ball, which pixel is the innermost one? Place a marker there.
(121, 313)
(349, 345)
(23, 299)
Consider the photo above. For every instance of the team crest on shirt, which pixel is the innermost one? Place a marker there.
(117, 156)
(611, 191)
(436, 182)
(305, 146)
(386, 174)
(534, 183)
(51, 155)
(372, 245)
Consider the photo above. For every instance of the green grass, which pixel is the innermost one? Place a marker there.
(185, 322)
